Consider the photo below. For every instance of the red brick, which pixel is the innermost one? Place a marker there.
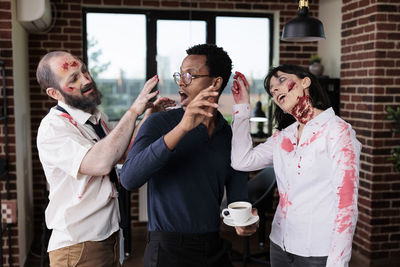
(393, 72)
(132, 2)
(5, 25)
(150, 3)
(91, 2)
(170, 3)
(386, 27)
(4, 15)
(394, 18)
(112, 2)
(207, 5)
(263, 7)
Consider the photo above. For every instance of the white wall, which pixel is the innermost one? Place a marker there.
(329, 49)
(22, 136)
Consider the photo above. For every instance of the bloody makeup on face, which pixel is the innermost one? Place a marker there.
(76, 79)
(76, 83)
(291, 85)
(303, 110)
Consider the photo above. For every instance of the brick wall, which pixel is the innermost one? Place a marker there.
(67, 35)
(370, 81)
(6, 57)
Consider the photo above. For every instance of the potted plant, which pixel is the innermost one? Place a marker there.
(316, 67)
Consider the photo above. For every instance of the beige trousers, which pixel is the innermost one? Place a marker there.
(88, 254)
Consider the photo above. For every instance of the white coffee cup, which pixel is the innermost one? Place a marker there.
(239, 211)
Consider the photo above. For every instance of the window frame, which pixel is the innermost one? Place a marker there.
(151, 27)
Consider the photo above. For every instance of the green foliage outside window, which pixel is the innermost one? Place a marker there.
(95, 68)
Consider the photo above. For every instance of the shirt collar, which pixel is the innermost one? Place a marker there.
(321, 119)
(316, 122)
(79, 115)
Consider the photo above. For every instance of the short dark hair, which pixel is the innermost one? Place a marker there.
(44, 75)
(218, 61)
(318, 96)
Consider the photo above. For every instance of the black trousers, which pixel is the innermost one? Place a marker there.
(186, 250)
(281, 258)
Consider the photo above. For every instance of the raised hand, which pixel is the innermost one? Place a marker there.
(142, 101)
(200, 109)
(240, 89)
(161, 104)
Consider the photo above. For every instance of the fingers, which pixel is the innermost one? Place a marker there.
(200, 111)
(162, 103)
(207, 93)
(235, 88)
(142, 101)
(254, 211)
(241, 76)
(250, 229)
(240, 83)
(166, 101)
(150, 84)
(203, 103)
(149, 105)
(247, 230)
(151, 95)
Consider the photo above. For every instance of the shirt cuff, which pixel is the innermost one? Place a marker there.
(241, 111)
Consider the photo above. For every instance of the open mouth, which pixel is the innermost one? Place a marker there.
(281, 97)
(183, 97)
(87, 89)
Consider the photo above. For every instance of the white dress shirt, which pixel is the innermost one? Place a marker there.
(81, 207)
(317, 180)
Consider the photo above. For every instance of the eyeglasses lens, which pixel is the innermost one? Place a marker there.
(177, 77)
(186, 78)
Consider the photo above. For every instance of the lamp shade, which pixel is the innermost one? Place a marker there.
(303, 28)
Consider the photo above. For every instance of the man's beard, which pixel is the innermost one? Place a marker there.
(87, 103)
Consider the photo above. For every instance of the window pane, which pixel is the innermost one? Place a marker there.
(117, 58)
(247, 41)
(173, 38)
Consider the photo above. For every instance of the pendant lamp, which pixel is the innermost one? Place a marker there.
(303, 28)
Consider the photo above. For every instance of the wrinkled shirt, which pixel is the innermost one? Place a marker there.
(81, 207)
(185, 186)
(317, 180)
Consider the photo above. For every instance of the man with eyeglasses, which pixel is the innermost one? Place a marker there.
(184, 156)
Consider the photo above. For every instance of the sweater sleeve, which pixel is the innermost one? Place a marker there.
(345, 151)
(147, 155)
(244, 157)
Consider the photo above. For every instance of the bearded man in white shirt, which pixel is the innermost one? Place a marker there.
(316, 158)
(78, 162)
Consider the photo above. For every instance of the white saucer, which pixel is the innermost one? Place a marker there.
(251, 220)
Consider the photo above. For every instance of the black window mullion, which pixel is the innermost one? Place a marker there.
(151, 42)
(211, 31)
(84, 39)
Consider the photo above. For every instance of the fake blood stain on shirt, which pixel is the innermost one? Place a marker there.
(346, 190)
(287, 145)
(284, 203)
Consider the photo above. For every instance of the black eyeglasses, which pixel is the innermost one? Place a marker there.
(186, 77)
